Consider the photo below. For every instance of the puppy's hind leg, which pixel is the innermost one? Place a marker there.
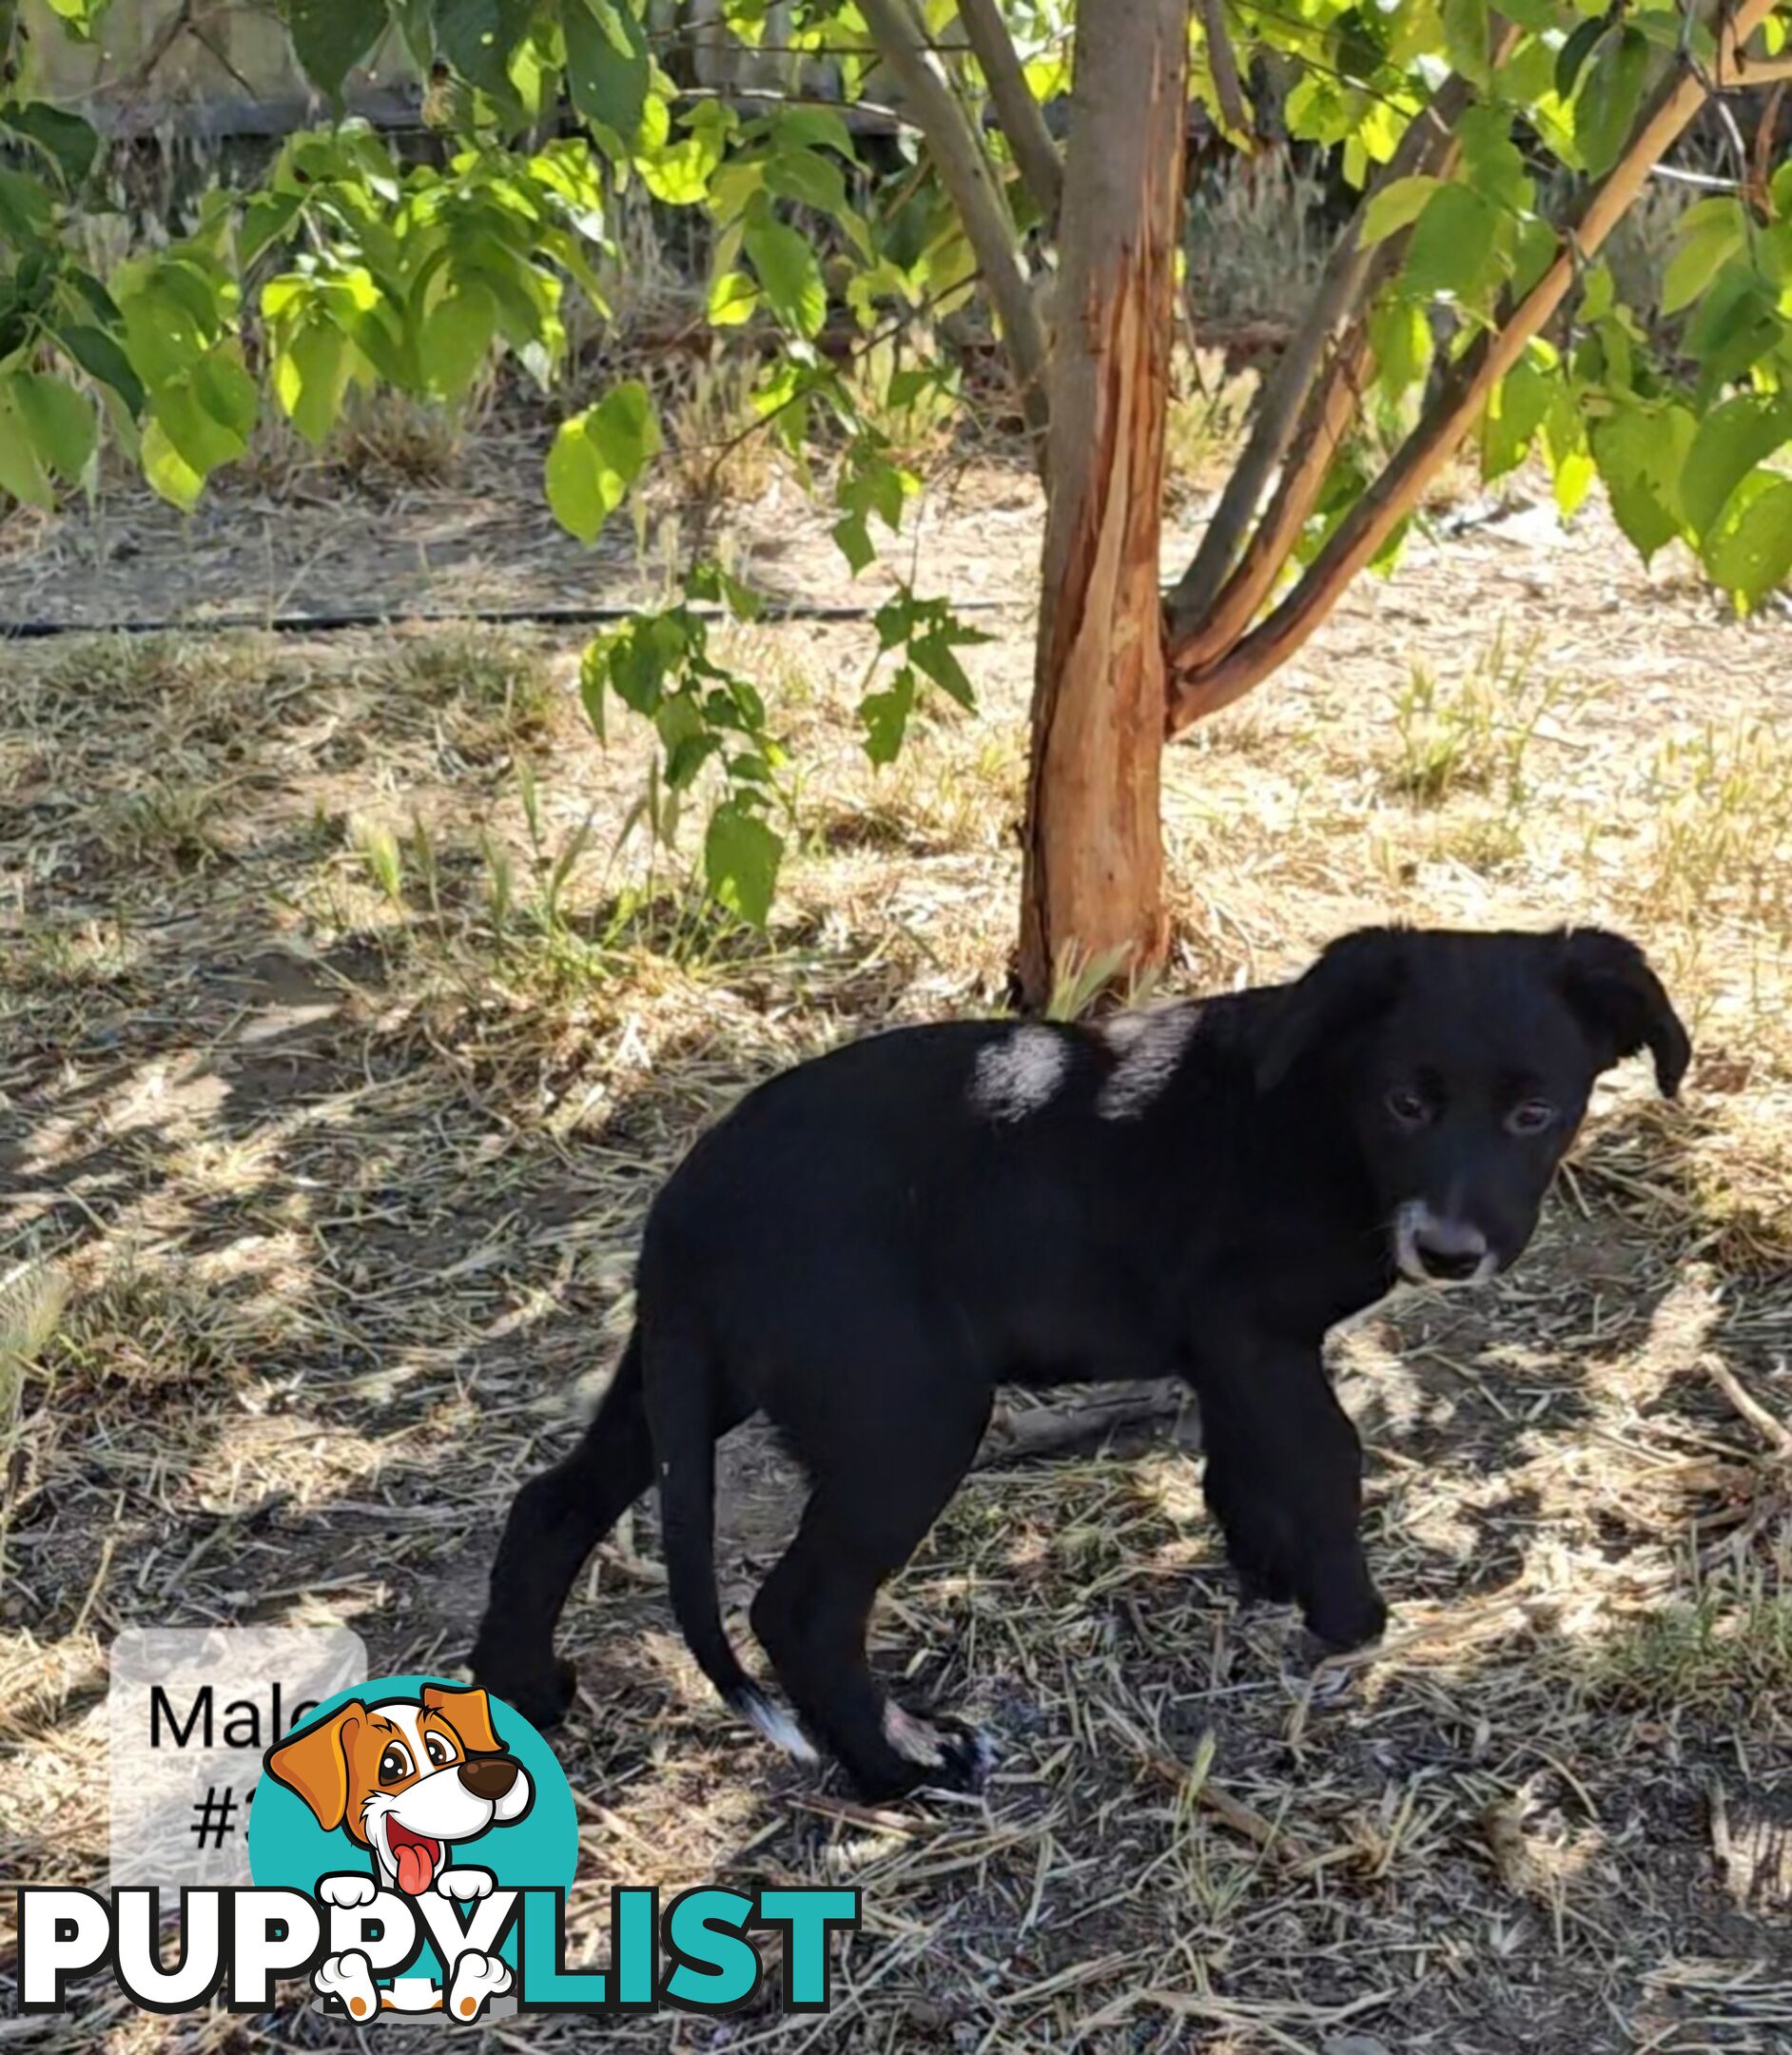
(877, 1491)
(556, 1520)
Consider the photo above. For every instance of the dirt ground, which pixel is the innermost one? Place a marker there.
(341, 1121)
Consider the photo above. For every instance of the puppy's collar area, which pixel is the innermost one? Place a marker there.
(416, 1857)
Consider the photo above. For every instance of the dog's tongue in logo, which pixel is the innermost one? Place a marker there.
(414, 1857)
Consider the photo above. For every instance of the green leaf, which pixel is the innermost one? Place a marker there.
(1452, 244)
(1574, 53)
(812, 128)
(685, 737)
(61, 422)
(476, 37)
(1598, 294)
(455, 338)
(1641, 452)
(266, 218)
(740, 859)
(1401, 339)
(1754, 556)
(933, 653)
(1736, 324)
(853, 540)
(597, 456)
(733, 299)
(1571, 466)
(101, 357)
(310, 378)
(1465, 38)
(167, 470)
(885, 716)
(608, 72)
(809, 179)
(25, 208)
(1513, 416)
(1605, 107)
(1492, 162)
(1396, 206)
(721, 588)
(331, 37)
(21, 472)
(1709, 235)
(69, 143)
(83, 16)
(1731, 440)
(790, 274)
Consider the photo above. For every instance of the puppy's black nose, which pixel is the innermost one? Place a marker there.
(489, 1776)
(1449, 1251)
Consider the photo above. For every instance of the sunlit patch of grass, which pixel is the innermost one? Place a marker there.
(1473, 733)
(1484, 839)
(719, 447)
(173, 821)
(1721, 822)
(1726, 1653)
(496, 685)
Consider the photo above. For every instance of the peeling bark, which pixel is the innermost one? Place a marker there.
(1093, 880)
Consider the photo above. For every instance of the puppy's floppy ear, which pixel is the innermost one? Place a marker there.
(1620, 1003)
(469, 1713)
(314, 1763)
(1358, 977)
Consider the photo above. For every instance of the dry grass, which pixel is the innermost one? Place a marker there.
(336, 1098)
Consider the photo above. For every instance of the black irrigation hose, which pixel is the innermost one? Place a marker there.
(42, 631)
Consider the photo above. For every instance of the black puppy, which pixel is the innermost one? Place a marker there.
(867, 1245)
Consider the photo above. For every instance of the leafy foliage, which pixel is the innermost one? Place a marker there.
(347, 267)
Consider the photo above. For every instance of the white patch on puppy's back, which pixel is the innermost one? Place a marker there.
(1150, 1044)
(1019, 1075)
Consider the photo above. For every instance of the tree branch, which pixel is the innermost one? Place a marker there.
(1022, 117)
(1202, 690)
(965, 170)
(1224, 67)
(1309, 405)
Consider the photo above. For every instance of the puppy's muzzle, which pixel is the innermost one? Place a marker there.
(488, 1776)
(1435, 1251)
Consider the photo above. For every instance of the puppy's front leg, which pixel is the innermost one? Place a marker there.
(1285, 1480)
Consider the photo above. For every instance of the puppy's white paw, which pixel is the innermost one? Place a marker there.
(955, 1756)
(466, 1885)
(348, 1979)
(476, 1978)
(347, 1891)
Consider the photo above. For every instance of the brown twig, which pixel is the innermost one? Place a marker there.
(1204, 689)
(1309, 405)
(1022, 117)
(969, 178)
(1768, 1426)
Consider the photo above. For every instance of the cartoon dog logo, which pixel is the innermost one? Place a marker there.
(407, 1779)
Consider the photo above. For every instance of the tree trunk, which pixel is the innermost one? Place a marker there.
(1092, 890)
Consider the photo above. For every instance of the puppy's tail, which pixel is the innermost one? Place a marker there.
(679, 1410)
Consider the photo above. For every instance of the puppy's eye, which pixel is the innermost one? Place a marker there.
(1530, 1116)
(1406, 1107)
(437, 1750)
(394, 1765)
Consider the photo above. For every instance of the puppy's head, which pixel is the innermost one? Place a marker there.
(1466, 1062)
(406, 1778)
